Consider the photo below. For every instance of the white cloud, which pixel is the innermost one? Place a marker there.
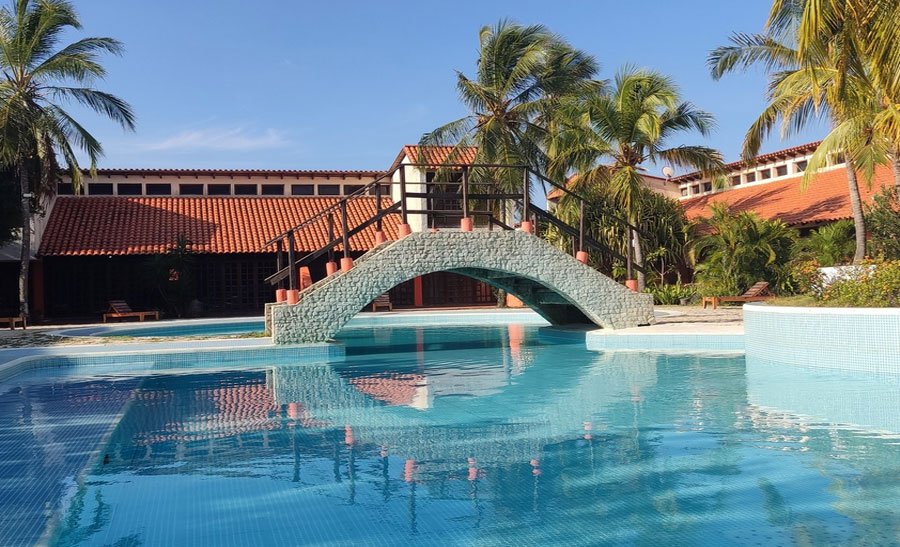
(233, 139)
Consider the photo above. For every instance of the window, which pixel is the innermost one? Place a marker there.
(351, 188)
(218, 189)
(696, 189)
(329, 190)
(65, 189)
(765, 174)
(159, 189)
(707, 187)
(801, 166)
(100, 189)
(781, 170)
(130, 189)
(684, 191)
(190, 189)
(245, 189)
(302, 189)
(750, 177)
(273, 189)
(735, 180)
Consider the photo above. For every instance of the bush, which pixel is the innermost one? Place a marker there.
(670, 295)
(830, 245)
(883, 219)
(742, 248)
(877, 287)
(807, 279)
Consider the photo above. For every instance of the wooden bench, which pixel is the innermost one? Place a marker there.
(12, 320)
(119, 309)
(757, 293)
(383, 301)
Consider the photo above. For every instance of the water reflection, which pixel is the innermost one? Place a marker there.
(480, 437)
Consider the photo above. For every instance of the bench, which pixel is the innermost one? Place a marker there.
(12, 320)
(383, 301)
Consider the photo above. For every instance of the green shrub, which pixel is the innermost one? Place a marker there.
(807, 279)
(830, 245)
(883, 220)
(875, 287)
(670, 295)
(741, 249)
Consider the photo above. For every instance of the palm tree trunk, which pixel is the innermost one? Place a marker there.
(639, 259)
(25, 257)
(859, 221)
(895, 157)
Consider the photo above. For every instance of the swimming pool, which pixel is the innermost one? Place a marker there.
(447, 436)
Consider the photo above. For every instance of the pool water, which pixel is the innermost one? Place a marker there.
(443, 436)
(197, 329)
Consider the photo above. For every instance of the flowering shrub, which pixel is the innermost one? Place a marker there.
(807, 279)
(877, 287)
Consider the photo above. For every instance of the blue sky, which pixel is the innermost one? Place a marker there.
(342, 85)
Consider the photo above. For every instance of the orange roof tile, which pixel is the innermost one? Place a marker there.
(824, 200)
(434, 156)
(84, 225)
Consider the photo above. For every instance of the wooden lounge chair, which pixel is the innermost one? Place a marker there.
(11, 320)
(119, 309)
(383, 301)
(758, 292)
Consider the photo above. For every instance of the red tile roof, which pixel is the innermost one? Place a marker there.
(84, 226)
(792, 152)
(825, 198)
(434, 156)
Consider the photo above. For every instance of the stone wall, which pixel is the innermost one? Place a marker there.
(325, 308)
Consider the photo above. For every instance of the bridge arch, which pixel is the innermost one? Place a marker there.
(551, 282)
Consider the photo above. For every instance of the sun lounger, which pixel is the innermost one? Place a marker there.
(119, 309)
(756, 293)
(12, 320)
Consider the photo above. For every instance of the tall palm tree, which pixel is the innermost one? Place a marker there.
(812, 76)
(614, 136)
(38, 79)
(523, 72)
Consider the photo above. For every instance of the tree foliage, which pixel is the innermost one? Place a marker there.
(740, 249)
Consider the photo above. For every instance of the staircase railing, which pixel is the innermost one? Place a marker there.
(458, 197)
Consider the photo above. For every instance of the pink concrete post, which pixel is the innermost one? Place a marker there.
(346, 264)
(527, 226)
(465, 224)
(293, 296)
(581, 256)
(404, 230)
(380, 237)
(280, 295)
(631, 284)
(330, 268)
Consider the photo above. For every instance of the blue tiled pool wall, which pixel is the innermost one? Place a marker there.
(862, 340)
(605, 341)
(135, 362)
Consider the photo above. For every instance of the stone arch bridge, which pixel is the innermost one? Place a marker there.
(552, 283)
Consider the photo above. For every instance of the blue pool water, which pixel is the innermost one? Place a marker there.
(197, 329)
(447, 436)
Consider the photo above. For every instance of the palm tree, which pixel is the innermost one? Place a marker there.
(742, 249)
(830, 245)
(523, 72)
(39, 78)
(612, 138)
(829, 75)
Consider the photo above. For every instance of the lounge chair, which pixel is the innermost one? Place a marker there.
(383, 301)
(11, 320)
(119, 309)
(758, 292)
